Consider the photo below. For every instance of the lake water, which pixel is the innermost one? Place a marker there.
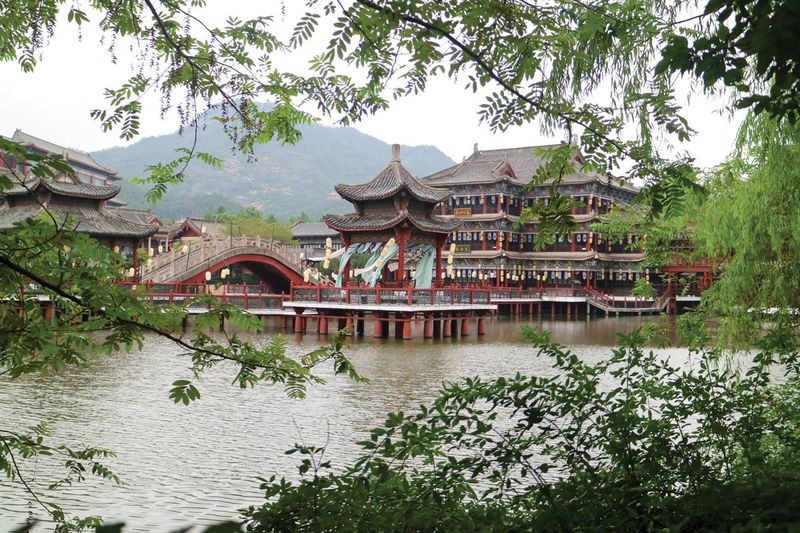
(198, 464)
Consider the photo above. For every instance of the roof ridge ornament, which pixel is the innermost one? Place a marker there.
(396, 153)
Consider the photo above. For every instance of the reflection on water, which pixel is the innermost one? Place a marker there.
(198, 464)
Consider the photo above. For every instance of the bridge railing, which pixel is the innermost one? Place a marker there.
(627, 302)
(196, 252)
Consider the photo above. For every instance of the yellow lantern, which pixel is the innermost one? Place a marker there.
(160, 248)
(131, 272)
(150, 252)
(116, 249)
(208, 275)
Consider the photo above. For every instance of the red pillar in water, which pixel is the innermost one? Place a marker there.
(407, 331)
(481, 326)
(428, 331)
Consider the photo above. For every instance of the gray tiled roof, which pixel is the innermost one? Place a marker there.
(213, 228)
(389, 182)
(96, 222)
(140, 216)
(517, 165)
(69, 153)
(312, 229)
(356, 222)
(77, 190)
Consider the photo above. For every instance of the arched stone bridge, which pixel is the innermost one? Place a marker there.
(274, 264)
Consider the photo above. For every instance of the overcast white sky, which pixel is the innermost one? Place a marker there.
(54, 103)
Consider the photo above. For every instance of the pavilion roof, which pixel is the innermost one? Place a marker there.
(94, 221)
(391, 181)
(64, 188)
(517, 166)
(356, 222)
(70, 154)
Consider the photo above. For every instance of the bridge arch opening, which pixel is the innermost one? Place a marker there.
(274, 275)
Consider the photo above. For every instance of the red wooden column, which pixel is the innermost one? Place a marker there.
(428, 330)
(401, 234)
(438, 268)
(407, 331)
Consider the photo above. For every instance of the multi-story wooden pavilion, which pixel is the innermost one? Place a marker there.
(394, 205)
(489, 191)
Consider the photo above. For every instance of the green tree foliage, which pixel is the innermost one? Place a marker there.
(251, 222)
(633, 442)
(43, 263)
(750, 226)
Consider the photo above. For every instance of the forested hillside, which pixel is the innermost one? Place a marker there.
(282, 180)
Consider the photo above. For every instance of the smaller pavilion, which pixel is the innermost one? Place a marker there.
(83, 205)
(394, 207)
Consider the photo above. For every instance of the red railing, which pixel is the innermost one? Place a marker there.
(627, 302)
(253, 297)
(244, 296)
(359, 295)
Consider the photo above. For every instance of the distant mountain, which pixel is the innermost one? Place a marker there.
(281, 180)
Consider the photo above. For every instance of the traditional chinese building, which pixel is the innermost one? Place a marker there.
(488, 192)
(394, 213)
(83, 205)
(312, 236)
